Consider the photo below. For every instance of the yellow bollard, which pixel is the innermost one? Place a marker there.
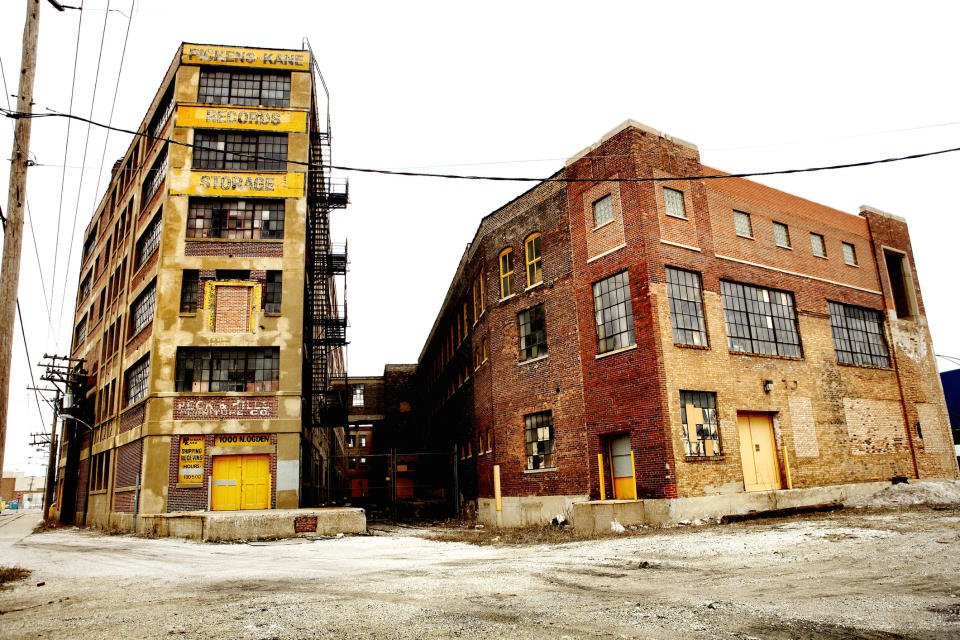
(603, 489)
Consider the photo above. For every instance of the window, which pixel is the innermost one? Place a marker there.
(154, 178)
(539, 430)
(698, 411)
(273, 292)
(85, 287)
(142, 309)
(244, 88)
(80, 333)
(100, 471)
(849, 254)
(673, 201)
(506, 273)
(464, 316)
(189, 291)
(148, 242)
(240, 151)
(476, 358)
(227, 218)
(614, 313)
(817, 245)
(534, 262)
(357, 395)
(162, 113)
(781, 235)
(135, 380)
(686, 307)
(90, 243)
(741, 224)
(203, 369)
(759, 320)
(533, 333)
(858, 335)
(483, 349)
(603, 211)
(352, 463)
(363, 440)
(478, 302)
(363, 464)
(352, 441)
(900, 283)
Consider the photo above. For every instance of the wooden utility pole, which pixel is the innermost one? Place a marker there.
(52, 459)
(17, 195)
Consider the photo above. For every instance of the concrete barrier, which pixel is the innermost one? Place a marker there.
(228, 526)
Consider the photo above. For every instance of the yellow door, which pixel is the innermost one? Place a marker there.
(255, 482)
(624, 481)
(758, 453)
(226, 483)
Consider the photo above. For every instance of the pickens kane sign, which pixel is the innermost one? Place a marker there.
(246, 57)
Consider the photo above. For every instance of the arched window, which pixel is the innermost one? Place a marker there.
(534, 261)
(506, 273)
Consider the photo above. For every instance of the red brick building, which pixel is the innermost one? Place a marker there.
(622, 332)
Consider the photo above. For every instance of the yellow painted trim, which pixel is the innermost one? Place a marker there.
(236, 183)
(633, 474)
(532, 260)
(506, 276)
(786, 467)
(210, 299)
(603, 489)
(496, 487)
(277, 59)
(246, 118)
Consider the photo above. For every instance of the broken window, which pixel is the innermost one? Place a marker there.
(858, 335)
(142, 309)
(251, 369)
(136, 380)
(190, 291)
(229, 218)
(533, 333)
(247, 88)
(539, 432)
(760, 320)
(148, 241)
(614, 313)
(899, 275)
(273, 292)
(240, 151)
(358, 395)
(154, 177)
(698, 413)
(80, 333)
(686, 307)
(603, 211)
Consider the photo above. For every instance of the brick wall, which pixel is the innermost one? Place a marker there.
(232, 313)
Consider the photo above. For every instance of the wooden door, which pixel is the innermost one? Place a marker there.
(758, 452)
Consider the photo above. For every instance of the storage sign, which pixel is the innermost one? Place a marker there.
(241, 118)
(242, 439)
(191, 459)
(246, 57)
(225, 183)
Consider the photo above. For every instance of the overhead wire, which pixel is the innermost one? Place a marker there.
(86, 145)
(66, 149)
(718, 176)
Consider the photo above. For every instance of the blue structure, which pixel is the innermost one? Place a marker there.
(951, 391)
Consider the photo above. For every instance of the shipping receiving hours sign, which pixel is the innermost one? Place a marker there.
(191, 459)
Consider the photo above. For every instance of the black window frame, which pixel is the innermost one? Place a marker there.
(136, 381)
(236, 218)
(244, 88)
(190, 291)
(685, 297)
(143, 308)
(708, 431)
(227, 150)
(539, 451)
(613, 292)
(746, 333)
(858, 335)
(149, 241)
(227, 369)
(273, 292)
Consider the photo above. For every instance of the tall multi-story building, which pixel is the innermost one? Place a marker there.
(207, 316)
(633, 329)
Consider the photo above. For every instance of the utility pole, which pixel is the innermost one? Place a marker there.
(51, 462)
(17, 195)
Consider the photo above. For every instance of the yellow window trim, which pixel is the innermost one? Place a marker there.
(533, 261)
(505, 276)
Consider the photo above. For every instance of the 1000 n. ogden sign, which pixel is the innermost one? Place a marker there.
(241, 118)
(227, 183)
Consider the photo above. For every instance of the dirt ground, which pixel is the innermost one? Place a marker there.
(857, 573)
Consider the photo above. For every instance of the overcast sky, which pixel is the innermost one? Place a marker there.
(509, 89)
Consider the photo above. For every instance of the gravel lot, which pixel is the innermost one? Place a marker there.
(858, 573)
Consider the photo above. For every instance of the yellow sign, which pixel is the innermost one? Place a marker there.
(227, 183)
(245, 57)
(191, 459)
(242, 439)
(241, 118)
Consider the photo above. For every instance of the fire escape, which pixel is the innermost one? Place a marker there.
(325, 312)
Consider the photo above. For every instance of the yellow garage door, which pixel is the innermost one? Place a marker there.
(241, 482)
(758, 453)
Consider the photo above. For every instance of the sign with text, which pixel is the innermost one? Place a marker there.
(242, 439)
(206, 408)
(191, 459)
(226, 183)
(241, 118)
(246, 57)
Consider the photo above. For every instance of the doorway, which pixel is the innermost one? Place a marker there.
(758, 452)
(241, 482)
(621, 469)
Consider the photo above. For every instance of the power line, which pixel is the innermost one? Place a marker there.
(86, 144)
(718, 176)
(66, 148)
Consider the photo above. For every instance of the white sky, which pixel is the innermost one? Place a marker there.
(513, 89)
